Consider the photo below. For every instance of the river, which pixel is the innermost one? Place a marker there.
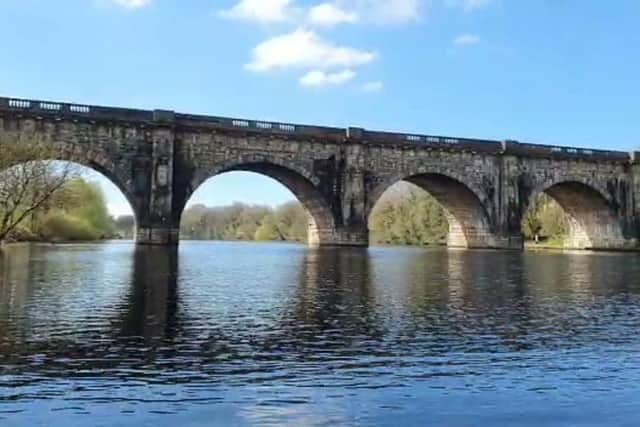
(274, 334)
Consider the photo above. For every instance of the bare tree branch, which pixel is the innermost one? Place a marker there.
(29, 178)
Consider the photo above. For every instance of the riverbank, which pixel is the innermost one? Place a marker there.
(544, 246)
(13, 244)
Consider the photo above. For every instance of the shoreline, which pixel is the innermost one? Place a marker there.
(61, 242)
(528, 246)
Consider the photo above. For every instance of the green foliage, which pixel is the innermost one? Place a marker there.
(76, 211)
(292, 222)
(60, 226)
(408, 216)
(28, 182)
(545, 219)
(268, 230)
(245, 222)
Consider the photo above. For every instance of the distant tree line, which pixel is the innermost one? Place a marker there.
(245, 222)
(406, 215)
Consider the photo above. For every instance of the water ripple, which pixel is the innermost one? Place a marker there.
(259, 334)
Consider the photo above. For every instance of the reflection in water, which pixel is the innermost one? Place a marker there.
(281, 334)
(150, 309)
(334, 299)
(14, 279)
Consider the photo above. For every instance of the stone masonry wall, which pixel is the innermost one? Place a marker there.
(158, 160)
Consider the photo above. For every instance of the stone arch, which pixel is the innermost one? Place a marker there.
(464, 203)
(97, 160)
(100, 163)
(592, 214)
(302, 183)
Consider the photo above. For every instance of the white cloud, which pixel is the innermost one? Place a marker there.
(260, 10)
(372, 87)
(330, 14)
(466, 40)
(132, 4)
(397, 11)
(318, 78)
(327, 13)
(305, 49)
(384, 11)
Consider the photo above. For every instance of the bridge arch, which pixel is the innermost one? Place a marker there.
(304, 185)
(95, 159)
(592, 214)
(67, 164)
(464, 203)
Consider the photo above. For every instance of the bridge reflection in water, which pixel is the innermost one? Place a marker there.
(221, 322)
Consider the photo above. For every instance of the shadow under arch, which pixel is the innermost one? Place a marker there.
(464, 206)
(593, 220)
(304, 186)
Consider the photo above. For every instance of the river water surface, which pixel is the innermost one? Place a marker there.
(265, 334)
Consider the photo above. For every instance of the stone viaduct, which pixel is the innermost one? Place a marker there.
(159, 158)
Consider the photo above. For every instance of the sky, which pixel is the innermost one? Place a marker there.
(562, 72)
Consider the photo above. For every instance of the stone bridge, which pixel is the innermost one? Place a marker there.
(159, 158)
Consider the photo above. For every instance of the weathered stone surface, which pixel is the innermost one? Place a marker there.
(159, 158)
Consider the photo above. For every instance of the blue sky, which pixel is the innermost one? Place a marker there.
(554, 71)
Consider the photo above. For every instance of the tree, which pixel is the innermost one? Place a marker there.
(78, 211)
(28, 180)
(531, 224)
(407, 215)
(292, 221)
(245, 222)
(545, 218)
(268, 230)
(554, 220)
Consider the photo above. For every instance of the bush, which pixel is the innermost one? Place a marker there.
(64, 227)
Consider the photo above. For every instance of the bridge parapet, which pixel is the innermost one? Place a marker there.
(332, 134)
(561, 153)
(261, 126)
(432, 141)
(74, 110)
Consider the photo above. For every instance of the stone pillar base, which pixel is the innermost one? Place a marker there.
(486, 241)
(157, 236)
(338, 238)
(601, 244)
(512, 242)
